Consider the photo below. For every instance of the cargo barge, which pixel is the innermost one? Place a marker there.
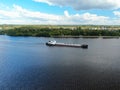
(53, 43)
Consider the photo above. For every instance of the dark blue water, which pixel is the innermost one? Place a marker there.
(26, 63)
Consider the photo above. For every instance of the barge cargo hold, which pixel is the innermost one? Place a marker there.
(53, 43)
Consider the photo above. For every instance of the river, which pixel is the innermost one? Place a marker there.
(26, 63)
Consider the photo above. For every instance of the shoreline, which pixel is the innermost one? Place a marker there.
(86, 36)
(71, 36)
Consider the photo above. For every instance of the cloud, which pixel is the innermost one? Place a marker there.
(84, 4)
(117, 13)
(34, 15)
(20, 15)
(86, 18)
(66, 13)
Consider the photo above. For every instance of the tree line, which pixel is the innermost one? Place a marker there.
(51, 32)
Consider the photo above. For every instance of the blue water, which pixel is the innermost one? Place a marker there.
(26, 63)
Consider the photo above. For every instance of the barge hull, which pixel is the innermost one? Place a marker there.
(68, 45)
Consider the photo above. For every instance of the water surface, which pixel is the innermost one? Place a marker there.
(26, 63)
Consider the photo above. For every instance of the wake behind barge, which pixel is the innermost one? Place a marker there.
(53, 43)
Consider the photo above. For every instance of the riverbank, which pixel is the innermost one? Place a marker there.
(104, 37)
(86, 36)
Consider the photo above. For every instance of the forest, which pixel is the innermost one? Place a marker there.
(51, 32)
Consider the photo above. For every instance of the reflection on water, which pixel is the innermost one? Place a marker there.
(26, 63)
